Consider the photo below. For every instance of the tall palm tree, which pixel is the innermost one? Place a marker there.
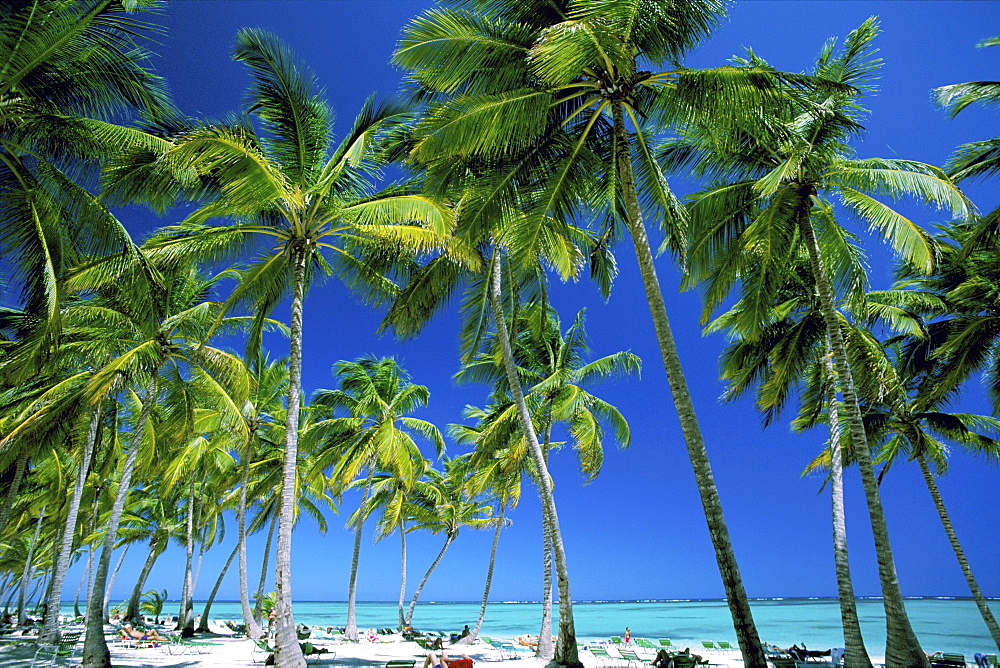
(305, 208)
(765, 203)
(377, 435)
(788, 351)
(567, 118)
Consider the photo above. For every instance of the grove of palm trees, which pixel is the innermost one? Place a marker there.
(498, 300)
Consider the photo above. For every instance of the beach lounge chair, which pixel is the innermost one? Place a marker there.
(723, 644)
(601, 654)
(948, 660)
(630, 657)
(616, 640)
(708, 645)
(401, 663)
(49, 654)
(666, 644)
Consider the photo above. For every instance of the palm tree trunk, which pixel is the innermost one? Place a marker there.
(95, 649)
(21, 616)
(15, 486)
(977, 594)
(259, 598)
(111, 582)
(501, 511)
(203, 626)
(901, 646)
(544, 649)
(736, 597)
(79, 587)
(427, 575)
(287, 652)
(402, 576)
(185, 617)
(855, 652)
(566, 652)
(351, 630)
(51, 630)
(156, 546)
(253, 628)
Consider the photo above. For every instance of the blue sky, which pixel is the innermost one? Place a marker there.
(637, 531)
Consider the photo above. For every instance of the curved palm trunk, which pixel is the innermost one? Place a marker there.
(15, 486)
(855, 652)
(402, 576)
(949, 529)
(95, 649)
(544, 649)
(21, 616)
(901, 646)
(203, 626)
(736, 597)
(83, 580)
(566, 652)
(253, 628)
(51, 630)
(469, 639)
(111, 582)
(351, 630)
(156, 546)
(185, 617)
(259, 599)
(427, 575)
(287, 652)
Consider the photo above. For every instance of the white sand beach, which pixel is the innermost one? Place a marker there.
(226, 651)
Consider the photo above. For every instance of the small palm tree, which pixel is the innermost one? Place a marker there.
(153, 604)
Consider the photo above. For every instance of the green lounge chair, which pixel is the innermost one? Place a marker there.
(665, 644)
(630, 657)
(616, 640)
(723, 644)
(709, 645)
(601, 654)
(62, 649)
(948, 660)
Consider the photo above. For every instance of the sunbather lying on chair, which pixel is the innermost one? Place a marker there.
(433, 661)
(135, 634)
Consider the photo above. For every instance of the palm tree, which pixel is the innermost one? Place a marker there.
(306, 207)
(65, 70)
(979, 158)
(567, 120)
(551, 365)
(378, 397)
(765, 205)
(501, 474)
(448, 509)
(788, 351)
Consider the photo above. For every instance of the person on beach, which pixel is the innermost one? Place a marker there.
(628, 635)
(135, 634)
(433, 661)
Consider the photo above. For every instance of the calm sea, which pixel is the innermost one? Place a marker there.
(950, 625)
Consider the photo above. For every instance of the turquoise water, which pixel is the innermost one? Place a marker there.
(951, 625)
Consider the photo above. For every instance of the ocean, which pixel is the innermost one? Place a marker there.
(941, 624)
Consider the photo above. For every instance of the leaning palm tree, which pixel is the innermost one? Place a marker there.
(764, 203)
(501, 475)
(303, 207)
(449, 506)
(789, 351)
(565, 121)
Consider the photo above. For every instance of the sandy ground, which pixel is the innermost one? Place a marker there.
(226, 651)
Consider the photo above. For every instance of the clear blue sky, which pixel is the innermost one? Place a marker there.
(637, 531)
